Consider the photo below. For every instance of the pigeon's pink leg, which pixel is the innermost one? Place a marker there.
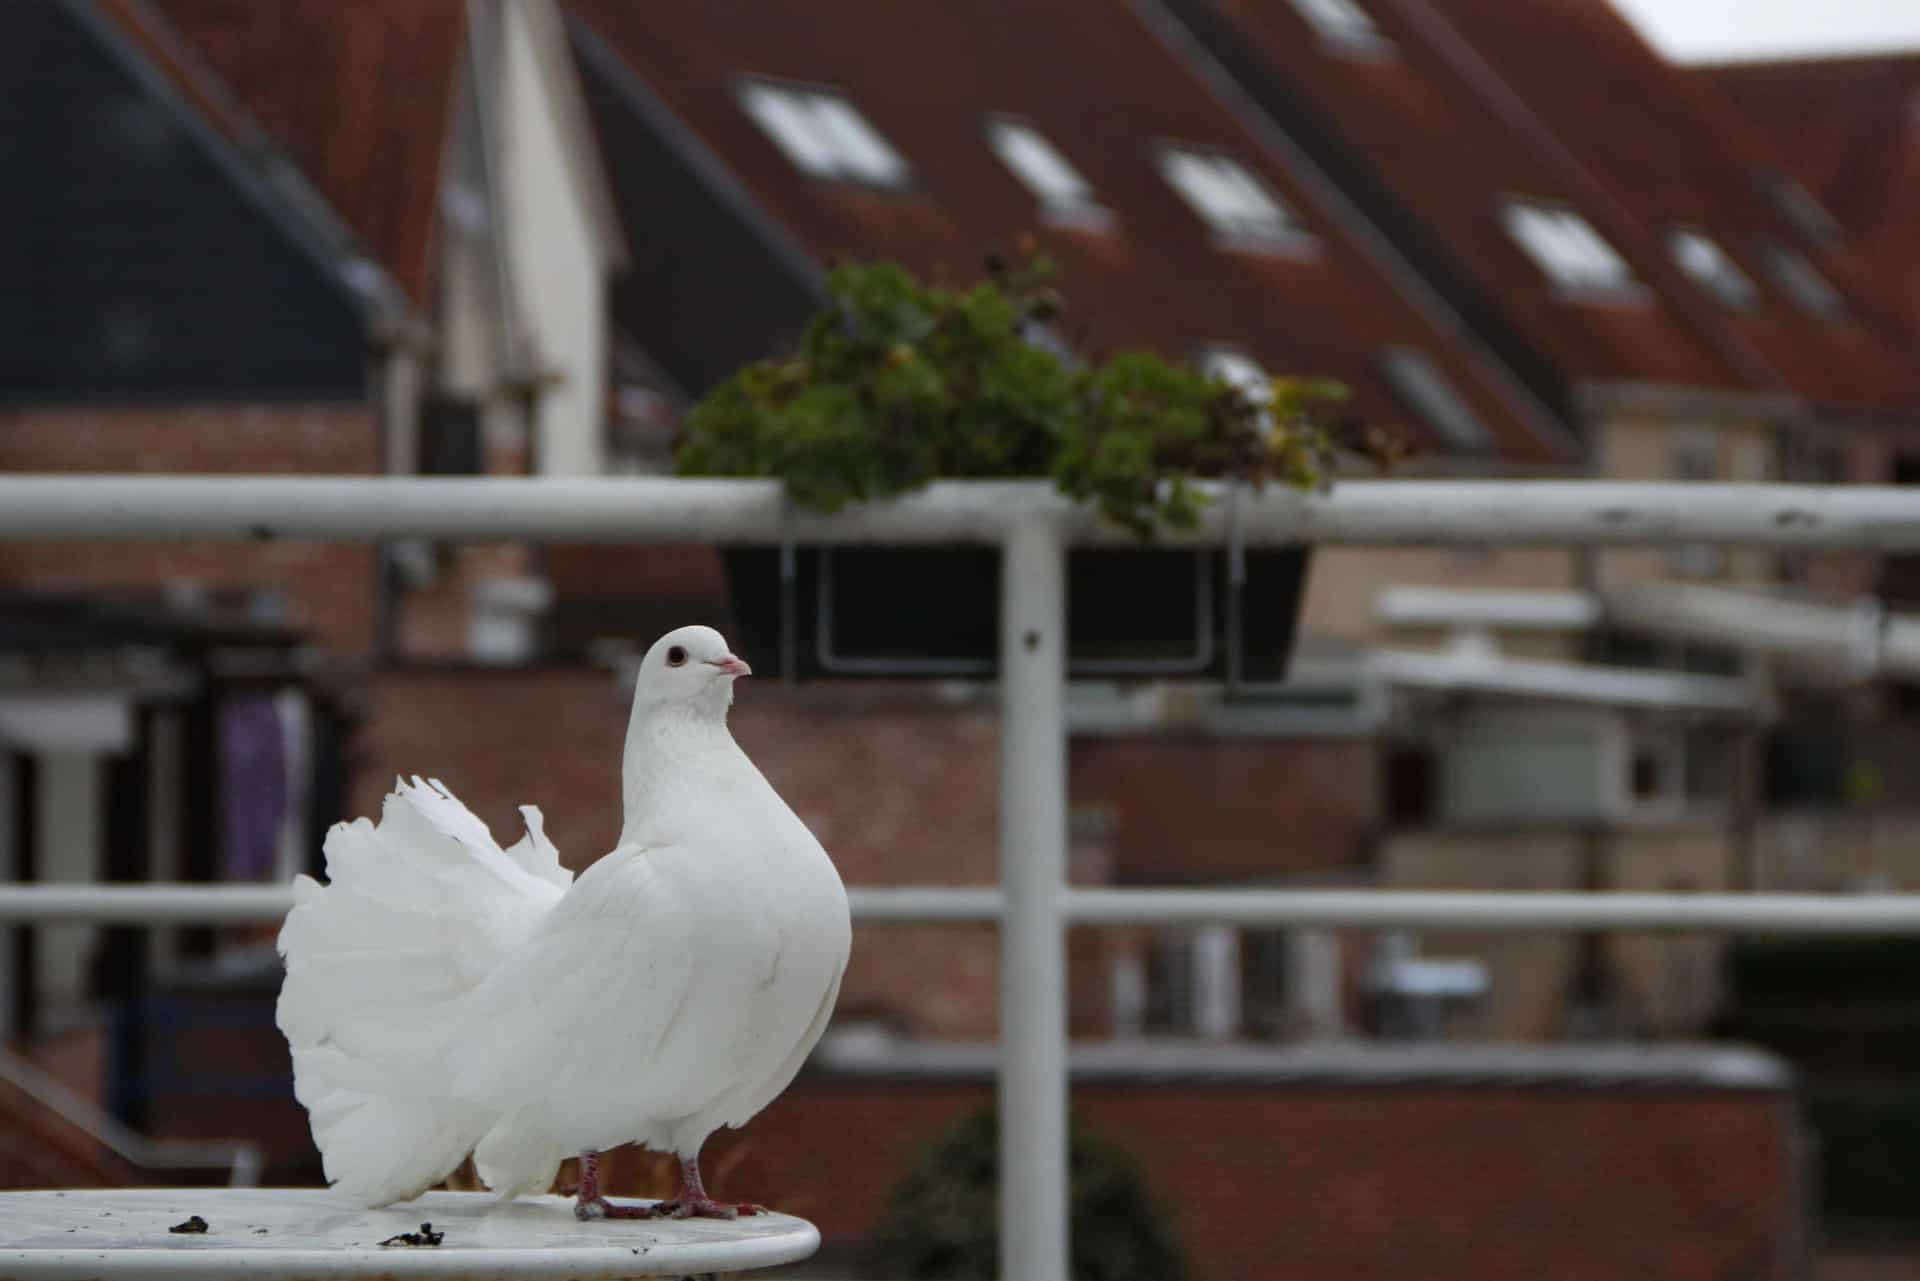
(589, 1204)
(693, 1201)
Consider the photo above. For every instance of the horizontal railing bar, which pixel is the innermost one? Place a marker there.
(1505, 911)
(926, 905)
(64, 507)
(179, 904)
(171, 904)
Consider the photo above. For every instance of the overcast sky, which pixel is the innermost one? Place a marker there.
(1719, 30)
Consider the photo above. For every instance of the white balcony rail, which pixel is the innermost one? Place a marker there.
(42, 508)
(1505, 911)
(1034, 526)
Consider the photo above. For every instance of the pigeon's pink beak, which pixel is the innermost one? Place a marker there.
(731, 666)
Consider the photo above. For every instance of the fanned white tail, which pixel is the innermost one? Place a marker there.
(418, 910)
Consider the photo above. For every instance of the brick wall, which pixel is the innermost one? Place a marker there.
(1359, 1183)
(435, 618)
(1194, 809)
(327, 587)
(610, 569)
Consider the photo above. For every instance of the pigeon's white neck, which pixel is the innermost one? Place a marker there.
(670, 745)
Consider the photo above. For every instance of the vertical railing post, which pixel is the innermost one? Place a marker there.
(1033, 868)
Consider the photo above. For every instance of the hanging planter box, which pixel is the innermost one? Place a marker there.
(896, 383)
(1132, 613)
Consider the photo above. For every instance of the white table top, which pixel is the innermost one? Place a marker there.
(292, 1234)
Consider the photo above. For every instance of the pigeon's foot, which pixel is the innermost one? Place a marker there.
(589, 1204)
(703, 1207)
(601, 1208)
(693, 1201)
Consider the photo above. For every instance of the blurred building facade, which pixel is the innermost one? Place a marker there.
(520, 238)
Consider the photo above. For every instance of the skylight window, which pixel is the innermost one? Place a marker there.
(1564, 245)
(1231, 199)
(1427, 393)
(1711, 268)
(1801, 281)
(1343, 24)
(1065, 196)
(823, 134)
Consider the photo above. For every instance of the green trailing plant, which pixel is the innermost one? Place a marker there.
(942, 1219)
(896, 383)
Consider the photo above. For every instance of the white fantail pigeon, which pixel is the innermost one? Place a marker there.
(445, 996)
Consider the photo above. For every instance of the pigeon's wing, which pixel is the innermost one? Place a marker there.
(745, 1103)
(596, 989)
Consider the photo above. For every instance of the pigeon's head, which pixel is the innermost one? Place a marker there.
(689, 665)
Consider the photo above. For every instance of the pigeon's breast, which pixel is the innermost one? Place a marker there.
(725, 896)
(761, 945)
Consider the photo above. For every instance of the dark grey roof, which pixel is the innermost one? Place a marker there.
(142, 260)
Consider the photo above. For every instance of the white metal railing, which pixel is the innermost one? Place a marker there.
(1498, 911)
(41, 508)
(1033, 526)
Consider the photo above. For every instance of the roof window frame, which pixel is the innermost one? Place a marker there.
(1789, 270)
(1079, 210)
(1416, 382)
(1798, 208)
(1623, 290)
(1345, 28)
(1733, 287)
(825, 134)
(1285, 235)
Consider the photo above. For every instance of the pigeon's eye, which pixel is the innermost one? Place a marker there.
(677, 657)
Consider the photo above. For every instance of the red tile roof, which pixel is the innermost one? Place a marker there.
(1452, 147)
(1847, 125)
(359, 94)
(1103, 88)
(1665, 149)
(1849, 128)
